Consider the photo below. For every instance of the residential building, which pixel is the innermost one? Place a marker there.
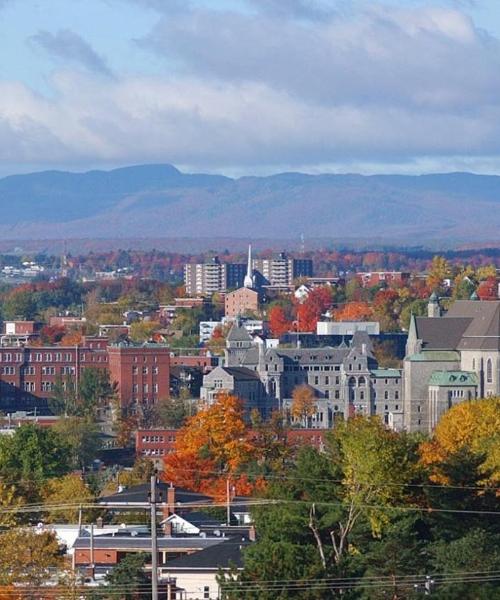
(281, 271)
(205, 279)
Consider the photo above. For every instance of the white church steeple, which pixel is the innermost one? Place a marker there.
(248, 281)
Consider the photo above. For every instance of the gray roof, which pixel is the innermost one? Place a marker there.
(441, 333)
(483, 330)
(144, 542)
(222, 556)
(241, 373)
(238, 333)
(140, 493)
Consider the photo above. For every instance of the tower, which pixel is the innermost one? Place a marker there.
(248, 281)
(433, 308)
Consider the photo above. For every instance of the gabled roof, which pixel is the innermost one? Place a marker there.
(238, 333)
(483, 330)
(361, 340)
(222, 556)
(441, 333)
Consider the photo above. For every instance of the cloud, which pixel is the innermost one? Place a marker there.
(67, 45)
(259, 90)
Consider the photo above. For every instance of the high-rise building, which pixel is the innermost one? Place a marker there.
(205, 279)
(282, 270)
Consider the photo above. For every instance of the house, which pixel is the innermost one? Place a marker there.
(195, 576)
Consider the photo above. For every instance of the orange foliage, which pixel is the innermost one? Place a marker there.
(212, 446)
(354, 311)
(73, 338)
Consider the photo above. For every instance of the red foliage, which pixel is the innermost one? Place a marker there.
(278, 322)
(488, 289)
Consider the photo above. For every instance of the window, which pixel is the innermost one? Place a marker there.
(155, 370)
(27, 370)
(155, 388)
(145, 388)
(58, 357)
(386, 395)
(145, 370)
(38, 357)
(47, 386)
(396, 395)
(206, 591)
(29, 386)
(489, 370)
(48, 370)
(135, 387)
(68, 356)
(337, 394)
(48, 357)
(327, 380)
(361, 395)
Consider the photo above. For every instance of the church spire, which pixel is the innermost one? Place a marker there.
(248, 281)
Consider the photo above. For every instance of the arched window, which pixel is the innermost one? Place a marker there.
(489, 370)
(361, 381)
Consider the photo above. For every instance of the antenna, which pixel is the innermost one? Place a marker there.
(302, 244)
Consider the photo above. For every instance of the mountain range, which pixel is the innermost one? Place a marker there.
(159, 201)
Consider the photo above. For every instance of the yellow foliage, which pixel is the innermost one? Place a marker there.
(472, 425)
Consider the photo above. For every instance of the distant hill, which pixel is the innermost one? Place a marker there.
(158, 201)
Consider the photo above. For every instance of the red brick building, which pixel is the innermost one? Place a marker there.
(141, 372)
(28, 373)
(158, 443)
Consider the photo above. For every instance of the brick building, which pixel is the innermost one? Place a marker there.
(28, 374)
(241, 302)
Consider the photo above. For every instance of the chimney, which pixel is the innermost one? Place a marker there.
(252, 534)
(169, 509)
(167, 529)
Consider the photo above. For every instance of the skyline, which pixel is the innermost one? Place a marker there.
(250, 87)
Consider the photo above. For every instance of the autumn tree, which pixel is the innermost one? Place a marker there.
(471, 426)
(27, 557)
(303, 404)
(278, 322)
(142, 331)
(439, 271)
(354, 311)
(488, 289)
(212, 442)
(70, 489)
(310, 310)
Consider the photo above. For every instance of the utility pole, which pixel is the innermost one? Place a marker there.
(154, 541)
(92, 564)
(228, 502)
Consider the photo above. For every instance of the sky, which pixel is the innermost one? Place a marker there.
(251, 86)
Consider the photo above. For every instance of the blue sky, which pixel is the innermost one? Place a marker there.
(251, 86)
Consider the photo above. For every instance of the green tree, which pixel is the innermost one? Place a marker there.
(172, 412)
(128, 580)
(83, 438)
(477, 551)
(31, 456)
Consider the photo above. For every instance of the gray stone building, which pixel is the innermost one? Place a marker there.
(345, 380)
(450, 358)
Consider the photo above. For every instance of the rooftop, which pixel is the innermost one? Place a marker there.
(453, 378)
